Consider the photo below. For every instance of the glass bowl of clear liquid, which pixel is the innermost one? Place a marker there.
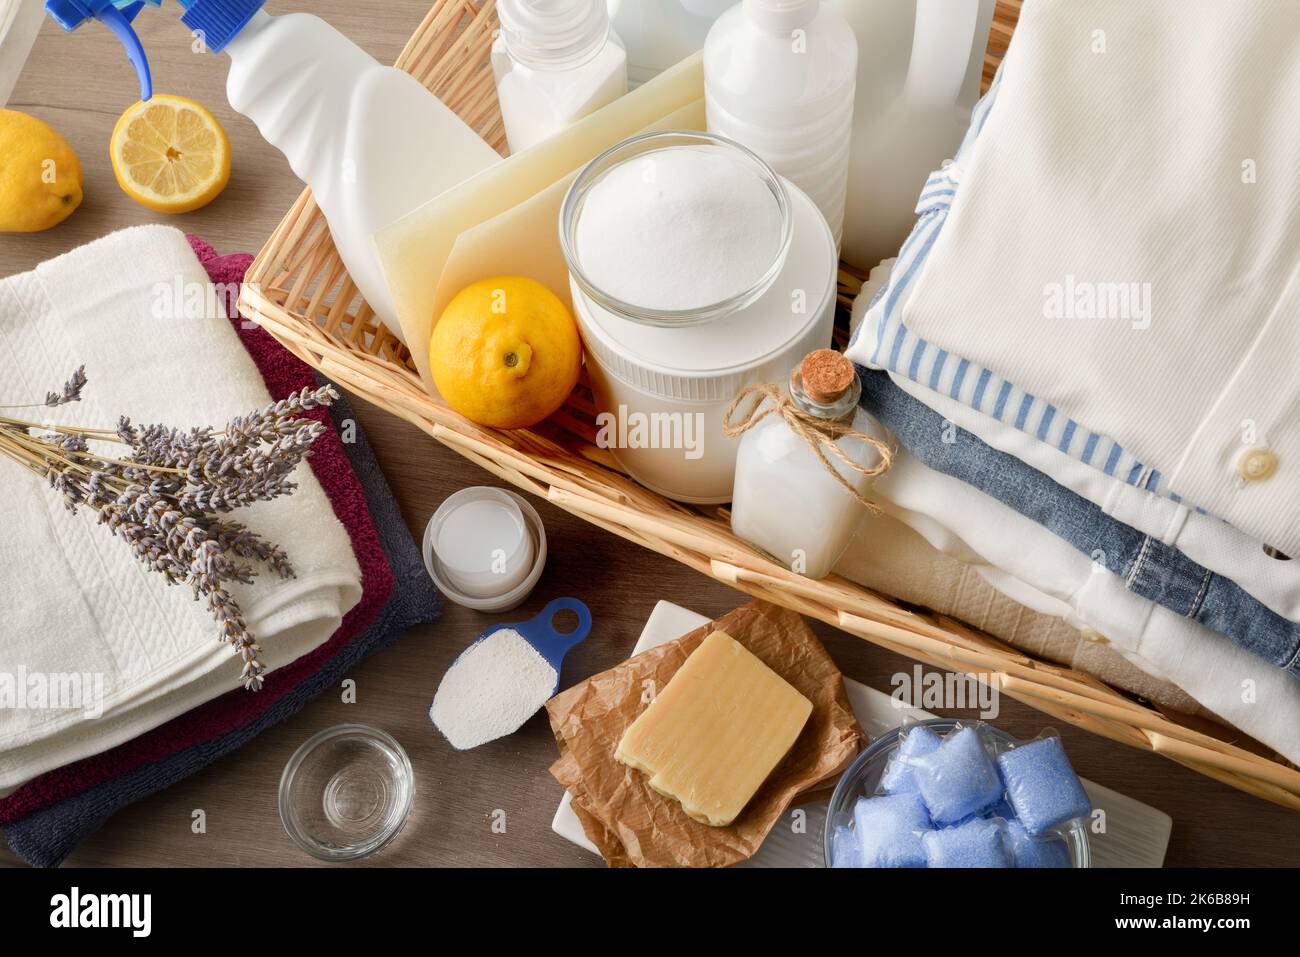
(346, 792)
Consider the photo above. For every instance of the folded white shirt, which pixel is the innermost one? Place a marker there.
(1270, 578)
(1123, 245)
(136, 308)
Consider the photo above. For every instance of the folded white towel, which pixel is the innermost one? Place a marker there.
(136, 308)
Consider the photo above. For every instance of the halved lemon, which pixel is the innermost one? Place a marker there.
(170, 154)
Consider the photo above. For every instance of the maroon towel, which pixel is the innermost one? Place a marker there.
(283, 374)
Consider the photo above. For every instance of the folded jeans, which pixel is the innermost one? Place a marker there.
(1017, 555)
(1148, 567)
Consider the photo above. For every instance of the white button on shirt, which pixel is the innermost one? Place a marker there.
(1149, 293)
(1256, 465)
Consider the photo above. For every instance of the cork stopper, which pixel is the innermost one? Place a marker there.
(826, 375)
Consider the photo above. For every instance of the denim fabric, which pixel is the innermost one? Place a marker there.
(1148, 567)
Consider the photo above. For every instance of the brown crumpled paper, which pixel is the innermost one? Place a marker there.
(632, 824)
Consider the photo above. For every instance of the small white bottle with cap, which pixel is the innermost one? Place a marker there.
(786, 499)
(780, 77)
(555, 61)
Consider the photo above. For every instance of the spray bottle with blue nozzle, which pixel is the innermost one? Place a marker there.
(370, 141)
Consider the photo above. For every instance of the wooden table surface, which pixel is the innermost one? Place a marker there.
(80, 84)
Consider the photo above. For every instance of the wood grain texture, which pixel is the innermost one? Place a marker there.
(80, 84)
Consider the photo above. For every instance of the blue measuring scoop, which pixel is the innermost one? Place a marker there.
(540, 632)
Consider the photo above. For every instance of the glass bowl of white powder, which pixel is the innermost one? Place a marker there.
(676, 228)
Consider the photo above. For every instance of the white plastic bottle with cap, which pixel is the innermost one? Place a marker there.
(555, 61)
(370, 141)
(780, 77)
(918, 77)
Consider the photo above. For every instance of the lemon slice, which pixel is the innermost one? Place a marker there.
(170, 154)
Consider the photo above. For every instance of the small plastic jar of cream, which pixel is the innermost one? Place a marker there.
(485, 548)
(695, 271)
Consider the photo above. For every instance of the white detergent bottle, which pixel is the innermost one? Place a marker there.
(780, 77)
(554, 62)
(370, 141)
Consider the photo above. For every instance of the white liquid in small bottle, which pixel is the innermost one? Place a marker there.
(555, 62)
(786, 501)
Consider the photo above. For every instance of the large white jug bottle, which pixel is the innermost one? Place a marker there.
(661, 33)
(920, 63)
(370, 141)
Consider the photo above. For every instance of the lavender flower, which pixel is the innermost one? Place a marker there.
(164, 495)
(71, 390)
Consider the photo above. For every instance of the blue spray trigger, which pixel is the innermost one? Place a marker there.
(71, 14)
(119, 21)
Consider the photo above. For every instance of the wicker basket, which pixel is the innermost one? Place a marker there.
(298, 290)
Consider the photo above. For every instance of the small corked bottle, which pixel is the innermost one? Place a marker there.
(806, 458)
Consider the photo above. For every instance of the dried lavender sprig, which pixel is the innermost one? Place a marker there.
(184, 549)
(162, 501)
(71, 393)
(71, 390)
(249, 462)
(235, 538)
(163, 445)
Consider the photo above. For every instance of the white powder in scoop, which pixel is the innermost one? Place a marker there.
(678, 228)
(491, 690)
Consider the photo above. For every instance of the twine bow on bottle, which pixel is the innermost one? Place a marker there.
(820, 434)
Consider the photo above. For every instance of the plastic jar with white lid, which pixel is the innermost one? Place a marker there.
(662, 379)
(554, 62)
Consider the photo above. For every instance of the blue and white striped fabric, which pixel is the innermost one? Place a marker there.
(884, 342)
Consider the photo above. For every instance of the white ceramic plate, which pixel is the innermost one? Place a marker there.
(1136, 834)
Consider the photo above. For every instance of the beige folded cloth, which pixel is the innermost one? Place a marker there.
(136, 308)
(891, 558)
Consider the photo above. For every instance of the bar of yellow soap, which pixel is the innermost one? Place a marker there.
(719, 728)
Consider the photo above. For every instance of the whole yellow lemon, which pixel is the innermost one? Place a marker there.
(40, 175)
(505, 352)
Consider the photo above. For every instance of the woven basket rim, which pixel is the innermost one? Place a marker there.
(299, 291)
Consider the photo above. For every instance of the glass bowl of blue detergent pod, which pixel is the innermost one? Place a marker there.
(865, 775)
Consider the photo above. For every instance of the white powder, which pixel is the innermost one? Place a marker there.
(678, 228)
(491, 690)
